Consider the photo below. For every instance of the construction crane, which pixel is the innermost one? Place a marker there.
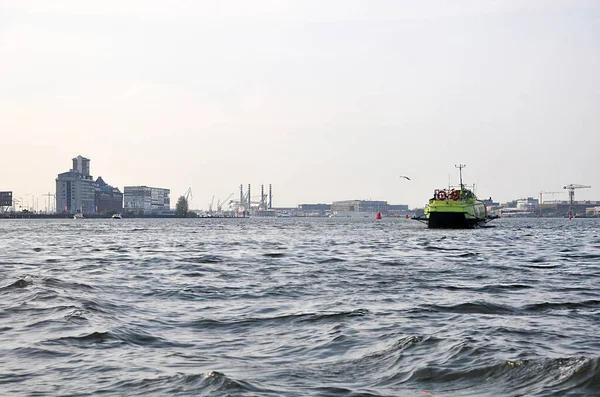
(541, 200)
(571, 189)
(211, 205)
(545, 192)
(220, 203)
(188, 194)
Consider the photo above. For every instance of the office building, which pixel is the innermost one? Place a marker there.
(75, 190)
(147, 200)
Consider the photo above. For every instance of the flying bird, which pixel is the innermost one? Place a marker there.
(404, 176)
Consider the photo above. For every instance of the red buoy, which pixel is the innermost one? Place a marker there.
(378, 216)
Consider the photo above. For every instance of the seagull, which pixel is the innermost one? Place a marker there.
(404, 176)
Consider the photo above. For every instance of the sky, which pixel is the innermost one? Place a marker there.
(325, 100)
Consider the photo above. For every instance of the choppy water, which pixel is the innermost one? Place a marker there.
(298, 307)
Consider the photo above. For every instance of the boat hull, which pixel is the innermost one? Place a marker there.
(450, 214)
(452, 220)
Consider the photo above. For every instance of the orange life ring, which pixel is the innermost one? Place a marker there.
(455, 195)
(442, 195)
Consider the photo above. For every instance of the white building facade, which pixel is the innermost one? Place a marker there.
(146, 200)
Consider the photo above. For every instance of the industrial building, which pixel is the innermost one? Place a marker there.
(398, 210)
(147, 200)
(77, 192)
(107, 198)
(367, 206)
(563, 208)
(314, 209)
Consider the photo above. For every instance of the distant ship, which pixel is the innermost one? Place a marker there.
(455, 209)
(117, 216)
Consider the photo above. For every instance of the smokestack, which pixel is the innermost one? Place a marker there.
(270, 197)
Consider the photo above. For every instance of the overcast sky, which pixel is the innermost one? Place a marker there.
(324, 99)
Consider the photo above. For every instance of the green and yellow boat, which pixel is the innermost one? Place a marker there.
(455, 209)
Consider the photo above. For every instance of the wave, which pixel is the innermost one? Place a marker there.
(263, 321)
(331, 260)
(471, 307)
(548, 306)
(66, 285)
(492, 288)
(458, 368)
(274, 254)
(207, 384)
(115, 338)
(203, 259)
(541, 377)
(18, 284)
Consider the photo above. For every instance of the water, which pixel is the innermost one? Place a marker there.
(298, 307)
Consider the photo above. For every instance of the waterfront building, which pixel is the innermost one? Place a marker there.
(398, 209)
(366, 206)
(107, 198)
(6, 201)
(562, 208)
(314, 209)
(75, 190)
(592, 212)
(147, 200)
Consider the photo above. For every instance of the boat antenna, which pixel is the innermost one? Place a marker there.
(460, 167)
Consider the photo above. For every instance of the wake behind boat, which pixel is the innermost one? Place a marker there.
(455, 209)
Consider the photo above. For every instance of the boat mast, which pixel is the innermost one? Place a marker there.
(460, 167)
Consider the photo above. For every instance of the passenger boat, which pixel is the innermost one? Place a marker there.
(455, 209)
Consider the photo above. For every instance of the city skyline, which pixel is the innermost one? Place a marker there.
(325, 101)
(80, 173)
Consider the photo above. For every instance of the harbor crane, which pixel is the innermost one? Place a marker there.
(220, 203)
(571, 188)
(186, 196)
(211, 204)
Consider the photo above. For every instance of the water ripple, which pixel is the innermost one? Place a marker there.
(299, 307)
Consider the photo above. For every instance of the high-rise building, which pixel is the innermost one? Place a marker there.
(147, 200)
(81, 165)
(75, 189)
